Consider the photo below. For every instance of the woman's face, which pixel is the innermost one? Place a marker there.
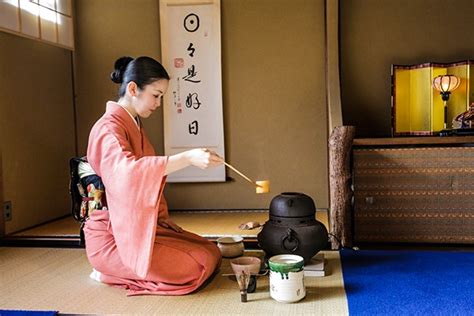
(149, 99)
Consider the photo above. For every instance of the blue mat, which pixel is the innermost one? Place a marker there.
(6, 312)
(396, 282)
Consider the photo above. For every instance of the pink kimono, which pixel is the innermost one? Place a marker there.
(125, 243)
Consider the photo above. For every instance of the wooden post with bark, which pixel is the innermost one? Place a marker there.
(340, 218)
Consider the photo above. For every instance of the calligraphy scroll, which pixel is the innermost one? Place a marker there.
(191, 53)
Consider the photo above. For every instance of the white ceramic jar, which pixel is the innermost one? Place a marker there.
(287, 278)
(288, 289)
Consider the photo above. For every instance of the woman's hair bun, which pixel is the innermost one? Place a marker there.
(119, 69)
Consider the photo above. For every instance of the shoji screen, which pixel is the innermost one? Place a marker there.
(45, 20)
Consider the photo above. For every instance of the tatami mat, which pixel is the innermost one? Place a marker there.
(57, 279)
(62, 227)
(205, 223)
(213, 223)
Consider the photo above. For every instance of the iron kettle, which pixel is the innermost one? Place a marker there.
(292, 227)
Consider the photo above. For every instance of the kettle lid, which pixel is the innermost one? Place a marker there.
(292, 204)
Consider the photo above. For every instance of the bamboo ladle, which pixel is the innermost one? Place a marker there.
(261, 186)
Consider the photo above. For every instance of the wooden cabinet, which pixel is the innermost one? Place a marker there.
(414, 190)
(2, 219)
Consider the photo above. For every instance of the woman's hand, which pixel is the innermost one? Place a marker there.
(168, 223)
(203, 158)
(200, 157)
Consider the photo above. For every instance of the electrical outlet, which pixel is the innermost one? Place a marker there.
(7, 210)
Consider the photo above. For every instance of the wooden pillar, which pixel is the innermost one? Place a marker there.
(340, 194)
(333, 84)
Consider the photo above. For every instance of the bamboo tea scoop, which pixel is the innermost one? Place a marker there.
(261, 186)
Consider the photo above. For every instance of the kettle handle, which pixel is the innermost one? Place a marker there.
(290, 236)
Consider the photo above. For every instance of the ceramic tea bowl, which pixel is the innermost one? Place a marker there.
(231, 247)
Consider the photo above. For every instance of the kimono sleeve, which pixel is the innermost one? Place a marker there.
(134, 187)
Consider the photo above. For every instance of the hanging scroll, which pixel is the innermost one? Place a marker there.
(191, 53)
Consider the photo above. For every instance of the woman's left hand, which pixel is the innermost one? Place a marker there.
(168, 223)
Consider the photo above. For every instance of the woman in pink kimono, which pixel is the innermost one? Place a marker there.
(134, 244)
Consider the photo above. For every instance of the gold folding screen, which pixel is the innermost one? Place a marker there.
(417, 108)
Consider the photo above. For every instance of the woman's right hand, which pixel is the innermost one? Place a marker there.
(203, 158)
(200, 157)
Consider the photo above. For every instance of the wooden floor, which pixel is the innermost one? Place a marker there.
(205, 223)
